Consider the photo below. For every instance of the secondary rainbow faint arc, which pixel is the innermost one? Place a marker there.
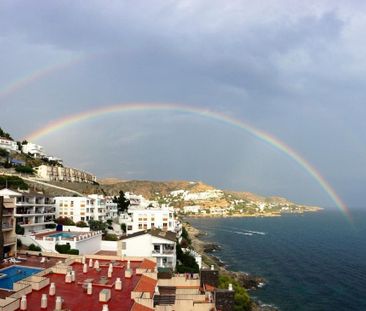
(270, 139)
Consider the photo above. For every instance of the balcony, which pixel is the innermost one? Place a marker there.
(10, 241)
(7, 227)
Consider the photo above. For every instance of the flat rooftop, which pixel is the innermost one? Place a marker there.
(74, 294)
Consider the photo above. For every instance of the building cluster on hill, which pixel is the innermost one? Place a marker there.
(136, 271)
(150, 230)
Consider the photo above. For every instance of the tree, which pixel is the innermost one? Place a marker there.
(122, 202)
(123, 228)
(65, 221)
(97, 225)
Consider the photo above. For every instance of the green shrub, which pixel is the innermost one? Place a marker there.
(110, 237)
(50, 226)
(19, 243)
(123, 228)
(3, 152)
(81, 224)
(19, 230)
(24, 169)
(13, 182)
(241, 298)
(65, 221)
(73, 251)
(66, 249)
(34, 248)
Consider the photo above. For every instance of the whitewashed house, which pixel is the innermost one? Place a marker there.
(34, 150)
(151, 243)
(8, 144)
(145, 218)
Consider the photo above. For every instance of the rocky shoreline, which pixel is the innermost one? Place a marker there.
(207, 250)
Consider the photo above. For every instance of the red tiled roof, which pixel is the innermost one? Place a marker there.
(147, 264)
(137, 307)
(146, 284)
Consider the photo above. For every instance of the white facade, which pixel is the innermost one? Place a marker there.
(152, 243)
(34, 150)
(92, 207)
(34, 211)
(8, 221)
(8, 144)
(141, 218)
(60, 173)
(194, 209)
(111, 208)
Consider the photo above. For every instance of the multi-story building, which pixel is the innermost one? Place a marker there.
(34, 211)
(34, 150)
(144, 218)
(60, 173)
(111, 208)
(151, 243)
(8, 144)
(86, 208)
(8, 201)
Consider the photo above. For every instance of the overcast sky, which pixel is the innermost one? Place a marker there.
(294, 69)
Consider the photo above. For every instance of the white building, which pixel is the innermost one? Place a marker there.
(151, 243)
(34, 150)
(145, 218)
(191, 209)
(60, 173)
(8, 199)
(86, 208)
(111, 208)
(34, 211)
(8, 144)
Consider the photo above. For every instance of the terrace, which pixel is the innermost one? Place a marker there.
(74, 292)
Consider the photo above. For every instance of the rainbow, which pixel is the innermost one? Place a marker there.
(259, 134)
(22, 82)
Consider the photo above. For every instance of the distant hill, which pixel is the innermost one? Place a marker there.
(150, 189)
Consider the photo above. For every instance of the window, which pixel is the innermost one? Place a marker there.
(165, 225)
(140, 226)
(129, 228)
(152, 225)
(123, 245)
(82, 218)
(145, 226)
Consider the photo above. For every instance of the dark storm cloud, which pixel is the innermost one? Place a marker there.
(293, 69)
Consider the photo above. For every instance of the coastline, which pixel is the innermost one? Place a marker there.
(260, 215)
(205, 249)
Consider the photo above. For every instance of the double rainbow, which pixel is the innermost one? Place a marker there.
(259, 134)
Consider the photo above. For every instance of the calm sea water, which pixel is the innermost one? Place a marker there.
(311, 262)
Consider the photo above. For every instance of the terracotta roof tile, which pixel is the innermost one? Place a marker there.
(146, 284)
(137, 307)
(148, 264)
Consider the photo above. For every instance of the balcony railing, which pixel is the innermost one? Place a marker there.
(8, 241)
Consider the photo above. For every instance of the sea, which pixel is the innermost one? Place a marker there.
(312, 261)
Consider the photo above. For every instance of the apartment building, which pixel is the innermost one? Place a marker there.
(8, 144)
(86, 208)
(34, 211)
(34, 150)
(111, 208)
(60, 173)
(8, 201)
(145, 218)
(152, 243)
